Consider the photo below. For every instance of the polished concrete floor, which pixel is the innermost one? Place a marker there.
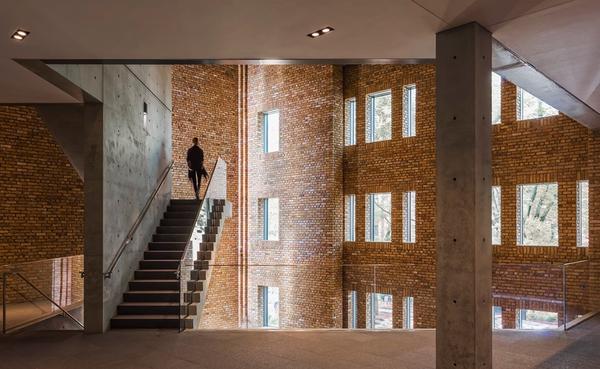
(579, 348)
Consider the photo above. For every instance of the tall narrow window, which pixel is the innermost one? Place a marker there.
(271, 131)
(537, 214)
(409, 104)
(496, 317)
(352, 310)
(350, 208)
(379, 311)
(530, 107)
(496, 98)
(583, 220)
(379, 116)
(350, 121)
(271, 219)
(409, 217)
(496, 215)
(269, 303)
(379, 217)
(408, 320)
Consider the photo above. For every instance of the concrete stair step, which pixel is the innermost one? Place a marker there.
(173, 229)
(185, 202)
(162, 274)
(180, 215)
(151, 296)
(170, 237)
(145, 308)
(177, 222)
(163, 255)
(146, 321)
(153, 285)
(182, 207)
(166, 246)
(159, 264)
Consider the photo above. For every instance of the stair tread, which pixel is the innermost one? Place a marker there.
(169, 260)
(153, 280)
(147, 316)
(157, 270)
(149, 304)
(154, 291)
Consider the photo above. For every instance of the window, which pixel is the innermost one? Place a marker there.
(379, 217)
(496, 215)
(271, 219)
(408, 320)
(530, 107)
(537, 214)
(350, 121)
(269, 302)
(271, 131)
(379, 311)
(145, 115)
(583, 219)
(496, 98)
(409, 218)
(350, 207)
(535, 319)
(496, 317)
(409, 118)
(352, 310)
(379, 116)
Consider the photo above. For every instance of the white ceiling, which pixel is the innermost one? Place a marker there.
(559, 37)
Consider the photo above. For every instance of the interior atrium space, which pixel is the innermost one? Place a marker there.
(407, 184)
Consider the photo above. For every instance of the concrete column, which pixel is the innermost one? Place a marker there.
(463, 229)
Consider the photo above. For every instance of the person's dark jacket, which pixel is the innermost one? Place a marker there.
(195, 157)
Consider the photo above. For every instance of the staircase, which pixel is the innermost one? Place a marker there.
(153, 299)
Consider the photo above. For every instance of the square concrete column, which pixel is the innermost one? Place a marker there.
(463, 229)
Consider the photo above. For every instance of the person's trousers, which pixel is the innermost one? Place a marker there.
(196, 179)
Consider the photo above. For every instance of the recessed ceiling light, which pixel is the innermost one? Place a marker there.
(320, 32)
(19, 34)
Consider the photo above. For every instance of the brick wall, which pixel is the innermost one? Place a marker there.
(306, 175)
(205, 102)
(41, 194)
(553, 149)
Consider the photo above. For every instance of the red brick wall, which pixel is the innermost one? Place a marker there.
(554, 149)
(306, 176)
(205, 102)
(41, 194)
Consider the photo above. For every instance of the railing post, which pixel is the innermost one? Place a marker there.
(564, 281)
(3, 303)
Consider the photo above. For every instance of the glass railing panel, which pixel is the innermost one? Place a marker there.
(578, 294)
(39, 290)
(190, 285)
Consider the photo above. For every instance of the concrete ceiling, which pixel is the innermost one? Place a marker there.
(559, 37)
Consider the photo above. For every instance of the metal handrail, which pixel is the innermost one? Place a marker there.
(4, 284)
(136, 224)
(189, 238)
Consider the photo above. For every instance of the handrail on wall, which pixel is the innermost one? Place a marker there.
(137, 222)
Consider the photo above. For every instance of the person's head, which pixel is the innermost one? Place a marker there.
(195, 140)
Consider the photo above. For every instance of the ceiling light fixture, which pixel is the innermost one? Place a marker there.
(320, 32)
(19, 34)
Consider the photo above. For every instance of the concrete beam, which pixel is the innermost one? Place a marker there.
(463, 229)
(518, 71)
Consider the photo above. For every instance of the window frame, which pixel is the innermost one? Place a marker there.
(350, 218)
(580, 214)
(497, 242)
(266, 224)
(409, 113)
(352, 309)
(409, 217)
(370, 114)
(499, 91)
(520, 230)
(265, 130)
(408, 312)
(520, 112)
(350, 121)
(372, 296)
(265, 307)
(370, 217)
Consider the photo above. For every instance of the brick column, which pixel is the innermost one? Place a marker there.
(463, 229)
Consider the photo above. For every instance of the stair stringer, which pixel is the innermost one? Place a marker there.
(202, 264)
